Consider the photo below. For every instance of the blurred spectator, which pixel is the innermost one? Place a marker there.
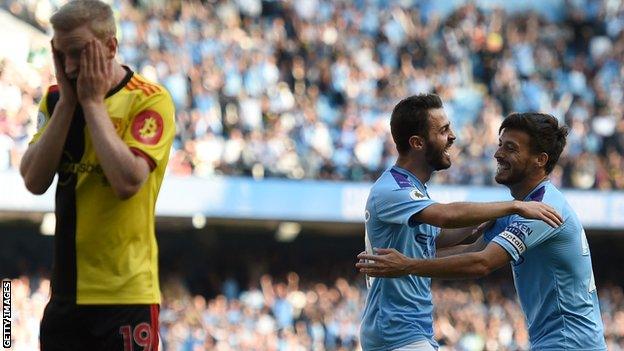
(304, 89)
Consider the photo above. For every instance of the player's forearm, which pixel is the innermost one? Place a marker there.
(41, 160)
(452, 250)
(451, 237)
(478, 245)
(465, 214)
(121, 167)
(468, 265)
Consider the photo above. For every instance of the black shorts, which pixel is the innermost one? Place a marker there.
(67, 326)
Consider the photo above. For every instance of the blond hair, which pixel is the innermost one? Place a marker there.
(97, 14)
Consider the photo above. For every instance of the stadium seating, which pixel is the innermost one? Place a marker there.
(263, 89)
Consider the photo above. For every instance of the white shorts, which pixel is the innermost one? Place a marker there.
(420, 345)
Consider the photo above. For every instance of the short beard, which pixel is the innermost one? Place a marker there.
(514, 177)
(435, 158)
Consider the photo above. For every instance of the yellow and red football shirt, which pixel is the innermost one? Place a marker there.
(105, 248)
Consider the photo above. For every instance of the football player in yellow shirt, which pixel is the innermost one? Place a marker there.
(106, 131)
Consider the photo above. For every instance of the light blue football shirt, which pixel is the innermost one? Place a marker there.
(398, 311)
(553, 275)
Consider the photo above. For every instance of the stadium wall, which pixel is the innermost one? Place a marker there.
(303, 200)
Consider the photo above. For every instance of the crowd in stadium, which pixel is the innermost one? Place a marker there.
(304, 89)
(294, 315)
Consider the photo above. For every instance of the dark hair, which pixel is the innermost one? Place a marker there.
(545, 133)
(411, 117)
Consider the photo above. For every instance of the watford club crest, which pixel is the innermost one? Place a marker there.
(147, 127)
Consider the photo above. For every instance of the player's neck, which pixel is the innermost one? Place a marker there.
(520, 190)
(119, 74)
(418, 168)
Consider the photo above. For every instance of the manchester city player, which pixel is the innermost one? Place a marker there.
(400, 215)
(551, 266)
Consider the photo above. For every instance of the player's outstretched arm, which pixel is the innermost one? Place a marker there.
(41, 160)
(124, 171)
(465, 214)
(477, 245)
(391, 263)
(453, 237)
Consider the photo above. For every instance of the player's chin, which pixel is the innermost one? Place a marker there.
(447, 161)
(443, 163)
(502, 178)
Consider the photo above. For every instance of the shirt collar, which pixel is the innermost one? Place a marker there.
(537, 193)
(411, 176)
